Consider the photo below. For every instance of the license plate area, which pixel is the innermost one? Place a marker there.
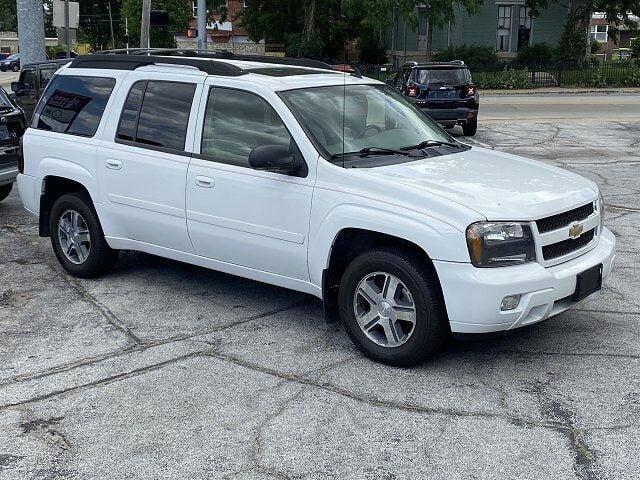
(588, 282)
(443, 95)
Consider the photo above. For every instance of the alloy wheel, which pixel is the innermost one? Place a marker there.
(74, 237)
(384, 309)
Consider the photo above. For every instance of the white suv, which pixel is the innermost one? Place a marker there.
(313, 180)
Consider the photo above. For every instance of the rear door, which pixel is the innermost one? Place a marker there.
(143, 162)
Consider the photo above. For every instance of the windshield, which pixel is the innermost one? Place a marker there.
(15, 56)
(346, 119)
(452, 76)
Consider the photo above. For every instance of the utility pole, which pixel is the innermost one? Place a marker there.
(67, 39)
(202, 24)
(113, 39)
(145, 24)
(31, 31)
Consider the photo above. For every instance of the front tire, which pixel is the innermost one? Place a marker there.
(470, 128)
(15, 68)
(391, 307)
(77, 237)
(5, 190)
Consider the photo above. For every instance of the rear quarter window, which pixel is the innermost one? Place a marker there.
(73, 104)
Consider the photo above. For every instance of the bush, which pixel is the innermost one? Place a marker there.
(635, 47)
(470, 54)
(596, 47)
(508, 79)
(536, 53)
(296, 46)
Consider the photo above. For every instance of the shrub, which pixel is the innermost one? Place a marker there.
(470, 54)
(536, 53)
(508, 79)
(595, 47)
(635, 47)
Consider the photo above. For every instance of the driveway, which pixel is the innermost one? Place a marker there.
(164, 370)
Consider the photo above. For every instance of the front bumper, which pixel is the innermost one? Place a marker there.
(473, 295)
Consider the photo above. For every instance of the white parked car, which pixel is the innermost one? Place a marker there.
(313, 180)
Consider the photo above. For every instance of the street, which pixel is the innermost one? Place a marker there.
(165, 370)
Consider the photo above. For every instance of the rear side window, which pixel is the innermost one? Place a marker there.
(156, 114)
(73, 105)
(28, 80)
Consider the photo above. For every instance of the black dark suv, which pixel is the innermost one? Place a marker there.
(444, 90)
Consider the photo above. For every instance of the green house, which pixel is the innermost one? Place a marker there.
(502, 25)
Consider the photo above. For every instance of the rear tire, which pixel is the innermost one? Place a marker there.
(5, 190)
(470, 128)
(387, 337)
(77, 237)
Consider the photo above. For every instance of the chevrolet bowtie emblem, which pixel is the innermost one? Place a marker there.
(576, 230)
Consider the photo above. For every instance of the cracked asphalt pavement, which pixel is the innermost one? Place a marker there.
(164, 370)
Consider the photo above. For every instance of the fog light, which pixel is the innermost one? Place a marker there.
(510, 302)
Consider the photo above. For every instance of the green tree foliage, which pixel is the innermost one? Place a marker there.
(536, 53)
(179, 12)
(8, 18)
(95, 25)
(635, 48)
(473, 55)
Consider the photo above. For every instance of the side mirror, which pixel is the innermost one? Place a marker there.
(15, 86)
(274, 158)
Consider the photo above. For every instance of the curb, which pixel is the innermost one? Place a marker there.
(585, 91)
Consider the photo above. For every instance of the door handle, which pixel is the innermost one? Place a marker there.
(205, 182)
(114, 164)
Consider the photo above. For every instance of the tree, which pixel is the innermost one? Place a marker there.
(573, 41)
(179, 12)
(8, 16)
(95, 24)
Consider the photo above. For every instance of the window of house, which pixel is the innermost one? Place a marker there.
(236, 122)
(73, 104)
(599, 33)
(159, 116)
(524, 27)
(504, 28)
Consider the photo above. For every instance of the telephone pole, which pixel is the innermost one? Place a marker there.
(145, 24)
(31, 31)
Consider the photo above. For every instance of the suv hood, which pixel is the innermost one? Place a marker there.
(499, 186)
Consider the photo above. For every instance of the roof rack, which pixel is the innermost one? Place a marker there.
(130, 59)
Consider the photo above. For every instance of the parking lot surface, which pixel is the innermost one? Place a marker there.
(164, 370)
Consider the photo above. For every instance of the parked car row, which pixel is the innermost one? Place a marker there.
(314, 180)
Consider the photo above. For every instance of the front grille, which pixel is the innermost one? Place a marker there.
(560, 220)
(555, 250)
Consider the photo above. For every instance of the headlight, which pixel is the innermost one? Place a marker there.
(498, 244)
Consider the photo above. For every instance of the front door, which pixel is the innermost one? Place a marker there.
(238, 215)
(143, 173)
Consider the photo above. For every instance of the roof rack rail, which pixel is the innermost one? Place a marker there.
(184, 54)
(132, 62)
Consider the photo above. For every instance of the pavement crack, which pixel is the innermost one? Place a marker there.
(103, 381)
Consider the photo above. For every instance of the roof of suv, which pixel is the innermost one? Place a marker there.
(450, 64)
(276, 73)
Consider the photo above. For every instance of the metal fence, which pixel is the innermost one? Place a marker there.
(512, 75)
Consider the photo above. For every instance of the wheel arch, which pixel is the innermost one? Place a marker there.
(53, 187)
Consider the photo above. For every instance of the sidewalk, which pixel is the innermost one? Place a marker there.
(558, 91)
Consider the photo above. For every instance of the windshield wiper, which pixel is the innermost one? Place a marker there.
(430, 143)
(368, 151)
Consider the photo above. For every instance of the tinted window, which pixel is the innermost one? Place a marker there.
(129, 116)
(28, 80)
(45, 76)
(73, 105)
(164, 114)
(5, 101)
(236, 122)
(453, 76)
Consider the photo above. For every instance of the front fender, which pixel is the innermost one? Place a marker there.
(438, 239)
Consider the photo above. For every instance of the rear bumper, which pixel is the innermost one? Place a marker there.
(8, 174)
(459, 115)
(473, 295)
